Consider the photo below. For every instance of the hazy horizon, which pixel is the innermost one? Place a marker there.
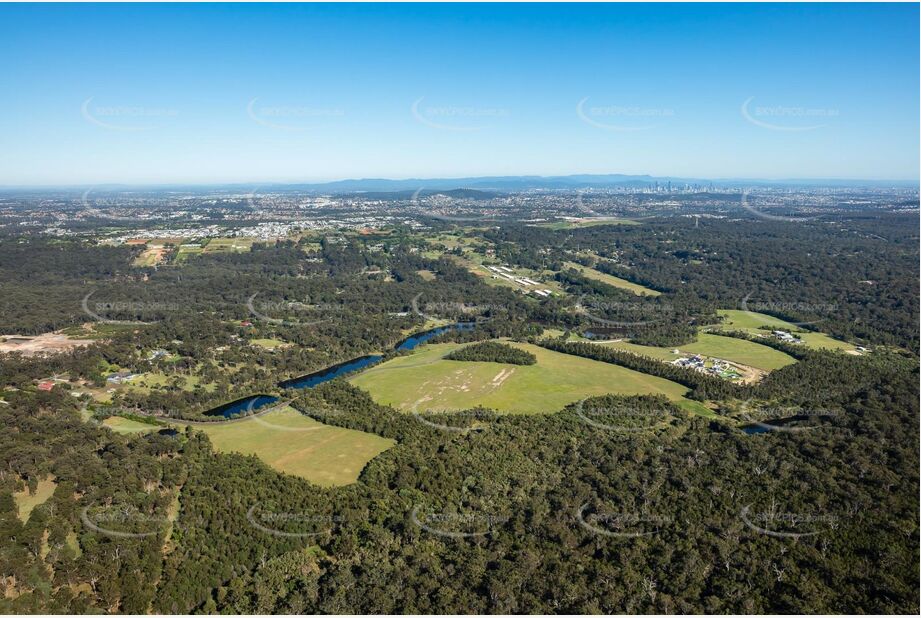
(874, 182)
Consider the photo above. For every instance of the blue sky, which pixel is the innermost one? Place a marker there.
(256, 93)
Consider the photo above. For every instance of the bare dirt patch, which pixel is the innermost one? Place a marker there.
(48, 343)
(151, 256)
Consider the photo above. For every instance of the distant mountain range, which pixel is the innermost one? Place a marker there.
(572, 182)
(504, 184)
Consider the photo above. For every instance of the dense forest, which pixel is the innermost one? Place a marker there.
(852, 276)
(560, 516)
(613, 504)
(493, 352)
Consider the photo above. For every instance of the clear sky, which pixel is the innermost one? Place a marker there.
(247, 93)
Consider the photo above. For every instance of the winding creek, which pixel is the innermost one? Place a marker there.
(310, 380)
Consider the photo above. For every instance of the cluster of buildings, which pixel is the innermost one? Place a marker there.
(121, 377)
(505, 272)
(691, 362)
(719, 368)
(157, 354)
(786, 337)
(139, 234)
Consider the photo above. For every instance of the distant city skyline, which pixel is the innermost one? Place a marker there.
(286, 93)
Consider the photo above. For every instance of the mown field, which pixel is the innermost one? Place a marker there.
(726, 348)
(663, 354)
(568, 225)
(269, 344)
(425, 381)
(26, 502)
(739, 351)
(752, 322)
(286, 440)
(219, 245)
(151, 256)
(617, 282)
(151, 380)
(296, 444)
(185, 251)
(119, 424)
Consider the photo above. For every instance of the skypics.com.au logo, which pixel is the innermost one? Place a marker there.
(622, 418)
(456, 525)
(618, 314)
(787, 118)
(623, 118)
(604, 520)
(131, 118)
(293, 312)
(123, 308)
(462, 118)
(290, 117)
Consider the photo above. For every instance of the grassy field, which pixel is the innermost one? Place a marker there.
(426, 381)
(752, 322)
(696, 407)
(568, 225)
(822, 341)
(26, 503)
(151, 256)
(185, 251)
(148, 381)
(311, 247)
(474, 262)
(126, 425)
(617, 282)
(269, 344)
(219, 245)
(296, 444)
(554, 333)
(727, 348)
(739, 351)
(663, 354)
(544, 279)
